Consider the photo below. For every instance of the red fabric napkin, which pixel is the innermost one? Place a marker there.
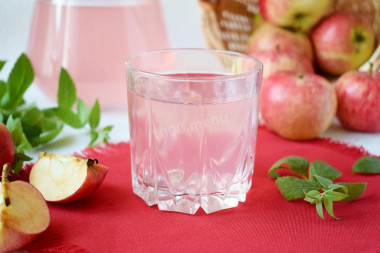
(115, 220)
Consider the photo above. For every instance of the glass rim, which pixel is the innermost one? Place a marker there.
(209, 78)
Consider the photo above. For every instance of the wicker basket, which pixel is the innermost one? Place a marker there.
(227, 24)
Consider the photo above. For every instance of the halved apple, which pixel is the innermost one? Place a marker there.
(24, 213)
(64, 179)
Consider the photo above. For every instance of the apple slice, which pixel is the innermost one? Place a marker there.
(24, 213)
(64, 179)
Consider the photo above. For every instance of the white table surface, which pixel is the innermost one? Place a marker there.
(184, 29)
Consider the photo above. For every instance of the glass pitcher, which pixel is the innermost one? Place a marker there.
(92, 39)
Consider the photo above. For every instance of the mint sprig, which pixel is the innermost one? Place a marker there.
(31, 126)
(318, 188)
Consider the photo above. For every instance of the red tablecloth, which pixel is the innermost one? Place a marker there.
(115, 220)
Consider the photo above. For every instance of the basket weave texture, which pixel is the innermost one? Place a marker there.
(227, 24)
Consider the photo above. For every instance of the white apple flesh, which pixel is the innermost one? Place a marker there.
(24, 214)
(66, 179)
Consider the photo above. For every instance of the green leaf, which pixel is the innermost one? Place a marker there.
(297, 164)
(20, 78)
(69, 117)
(2, 63)
(66, 91)
(335, 196)
(19, 139)
(323, 169)
(329, 207)
(354, 190)
(338, 187)
(46, 135)
(102, 135)
(324, 182)
(312, 196)
(319, 208)
(83, 111)
(95, 115)
(367, 164)
(19, 160)
(3, 89)
(293, 188)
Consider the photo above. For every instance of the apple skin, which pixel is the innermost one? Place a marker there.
(299, 15)
(24, 214)
(296, 106)
(65, 179)
(7, 148)
(94, 178)
(277, 61)
(268, 37)
(359, 101)
(342, 42)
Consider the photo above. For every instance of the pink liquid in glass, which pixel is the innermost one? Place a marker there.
(192, 154)
(92, 39)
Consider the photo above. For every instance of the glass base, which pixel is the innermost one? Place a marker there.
(186, 203)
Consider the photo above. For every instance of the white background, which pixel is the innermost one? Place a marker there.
(182, 18)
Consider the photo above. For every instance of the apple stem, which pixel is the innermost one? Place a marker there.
(91, 162)
(370, 68)
(300, 75)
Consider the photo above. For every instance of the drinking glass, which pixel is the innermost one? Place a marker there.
(92, 39)
(193, 117)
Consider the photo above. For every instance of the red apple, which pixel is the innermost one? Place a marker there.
(342, 42)
(64, 179)
(359, 101)
(7, 148)
(24, 213)
(297, 14)
(275, 61)
(270, 37)
(297, 106)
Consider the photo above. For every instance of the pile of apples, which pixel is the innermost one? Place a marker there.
(303, 48)
(24, 213)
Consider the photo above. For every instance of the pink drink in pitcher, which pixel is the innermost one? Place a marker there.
(92, 39)
(193, 135)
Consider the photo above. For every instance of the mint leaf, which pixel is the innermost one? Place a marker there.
(19, 80)
(3, 89)
(294, 188)
(323, 169)
(297, 164)
(319, 208)
(367, 164)
(313, 196)
(329, 207)
(102, 135)
(324, 182)
(338, 187)
(66, 91)
(335, 196)
(95, 115)
(83, 111)
(2, 63)
(69, 117)
(354, 190)
(15, 128)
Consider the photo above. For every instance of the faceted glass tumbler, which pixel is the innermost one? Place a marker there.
(193, 117)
